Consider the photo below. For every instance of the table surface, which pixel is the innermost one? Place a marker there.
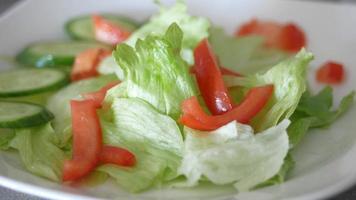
(7, 194)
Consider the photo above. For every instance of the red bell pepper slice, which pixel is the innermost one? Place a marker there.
(107, 32)
(330, 73)
(210, 80)
(98, 96)
(86, 63)
(118, 156)
(195, 117)
(288, 37)
(87, 140)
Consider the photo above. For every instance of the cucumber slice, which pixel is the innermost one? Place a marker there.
(23, 82)
(22, 115)
(54, 53)
(81, 28)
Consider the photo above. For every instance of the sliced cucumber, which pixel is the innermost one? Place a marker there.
(54, 53)
(81, 28)
(23, 82)
(21, 115)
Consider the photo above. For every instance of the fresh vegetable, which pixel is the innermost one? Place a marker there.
(50, 54)
(108, 32)
(288, 37)
(194, 116)
(59, 103)
(86, 63)
(117, 155)
(21, 114)
(245, 54)
(315, 111)
(232, 154)
(155, 72)
(24, 82)
(82, 27)
(154, 139)
(210, 82)
(289, 80)
(331, 73)
(87, 140)
(39, 151)
(194, 28)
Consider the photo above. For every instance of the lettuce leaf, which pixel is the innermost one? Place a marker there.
(59, 104)
(155, 139)
(245, 55)
(38, 150)
(289, 80)
(232, 154)
(194, 28)
(155, 72)
(315, 111)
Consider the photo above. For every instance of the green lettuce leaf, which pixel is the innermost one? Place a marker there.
(59, 103)
(245, 55)
(194, 28)
(154, 138)
(155, 72)
(38, 150)
(315, 111)
(289, 80)
(232, 154)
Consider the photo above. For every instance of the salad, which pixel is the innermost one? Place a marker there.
(171, 102)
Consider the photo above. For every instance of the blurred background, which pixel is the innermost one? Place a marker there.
(6, 194)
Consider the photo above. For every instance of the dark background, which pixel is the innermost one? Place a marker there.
(6, 194)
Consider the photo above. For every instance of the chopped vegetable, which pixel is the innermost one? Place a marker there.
(108, 32)
(251, 105)
(39, 151)
(87, 140)
(288, 37)
(233, 154)
(330, 73)
(117, 155)
(86, 63)
(155, 72)
(209, 79)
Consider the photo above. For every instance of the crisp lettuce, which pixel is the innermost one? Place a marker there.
(194, 28)
(155, 139)
(315, 111)
(289, 80)
(155, 72)
(39, 151)
(245, 55)
(233, 155)
(59, 103)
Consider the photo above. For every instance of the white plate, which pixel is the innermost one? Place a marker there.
(325, 158)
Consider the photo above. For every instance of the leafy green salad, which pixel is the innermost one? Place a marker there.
(171, 102)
